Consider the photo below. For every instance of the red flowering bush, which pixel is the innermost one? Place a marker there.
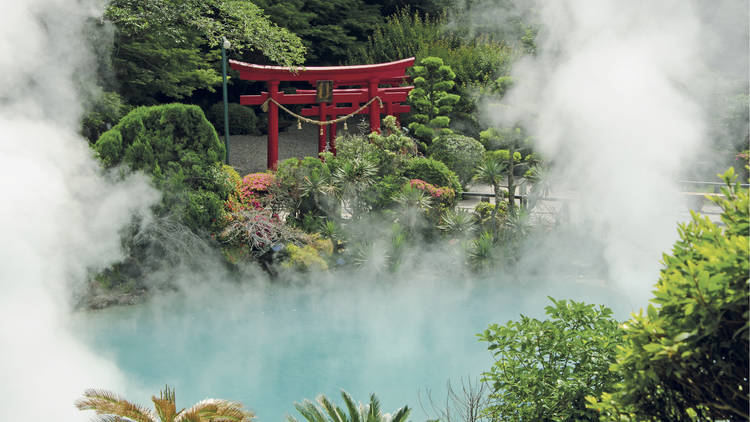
(442, 195)
(255, 184)
(251, 193)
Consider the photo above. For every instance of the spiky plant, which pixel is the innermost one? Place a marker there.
(458, 222)
(352, 179)
(319, 185)
(481, 252)
(414, 203)
(109, 407)
(491, 172)
(327, 411)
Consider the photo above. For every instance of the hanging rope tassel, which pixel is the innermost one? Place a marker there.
(299, 124)
(321, 131)
(345, 126)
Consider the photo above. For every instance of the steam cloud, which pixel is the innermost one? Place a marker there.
(613, 99)
(59, 215)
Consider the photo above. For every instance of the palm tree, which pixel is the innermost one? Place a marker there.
(111, 408)
(326, 411)
(491, 172)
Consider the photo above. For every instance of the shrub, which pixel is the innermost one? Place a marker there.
(383, 191)
(257, 232)
(242, 119)
(544, 369)
(104, 112)
(494, 138)
(387, 150)
(444, 196)
(301, 188)
(179, 148)
(433, 172)
(251, 192)
(256, 184)
(483, 214)
(306, 257)
(460, 153)
(430, 98)
(687, 357)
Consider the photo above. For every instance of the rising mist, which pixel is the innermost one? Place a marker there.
(60, 216)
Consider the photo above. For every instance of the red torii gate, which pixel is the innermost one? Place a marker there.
(367, 77)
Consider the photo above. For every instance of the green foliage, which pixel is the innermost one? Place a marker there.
(430, 99)
(387, 150)
(516, 142)
(327, 411)
(485, 212)
(481, 253)
(544, 369)
(354, 179)
(330, 29)
(179, 148)
(457, 223)
(494, 139)
(310, 257)
(491, 171)
(433, 172)
(502, 155)
(475, 60)
(414, 204)
(104, 112)
(460, 153)
(384, 190)
(302, 186)
(242, 119)
(686, 358)
(170, 48)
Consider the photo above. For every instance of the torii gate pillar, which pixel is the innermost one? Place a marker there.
(374, 107)
(273, 126)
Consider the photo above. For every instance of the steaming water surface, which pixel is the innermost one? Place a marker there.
(269, 348)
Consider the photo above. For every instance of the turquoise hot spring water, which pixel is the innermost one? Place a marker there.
(270, 347)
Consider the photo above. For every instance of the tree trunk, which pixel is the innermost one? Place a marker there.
(493, 216)
(511, 181)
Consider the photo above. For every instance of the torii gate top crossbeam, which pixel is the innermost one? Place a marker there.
(358, 73)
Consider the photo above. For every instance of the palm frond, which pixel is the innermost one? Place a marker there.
(401, 414)
(457, 222)
(111, 418)
(215, 410)
(165, 404)
(351, 406)
(374, 414)
(334, 412)
(309, 411)
(108, 403)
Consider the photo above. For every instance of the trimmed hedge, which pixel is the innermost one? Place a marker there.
(460, 153)
(179, 148)
(433, 172)
(242, 119)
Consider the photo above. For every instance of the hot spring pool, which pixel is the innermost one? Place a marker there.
(271, 347)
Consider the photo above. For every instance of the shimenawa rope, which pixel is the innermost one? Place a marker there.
(264, 107)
